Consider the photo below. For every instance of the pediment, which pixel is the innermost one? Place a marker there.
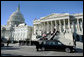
(49, 16)
(54, 15)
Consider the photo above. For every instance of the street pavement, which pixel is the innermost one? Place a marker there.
(16, 50)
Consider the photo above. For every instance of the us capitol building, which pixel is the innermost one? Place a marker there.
(16, 28)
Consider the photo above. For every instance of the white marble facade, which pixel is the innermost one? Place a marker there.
(22, 32)
(61, 21)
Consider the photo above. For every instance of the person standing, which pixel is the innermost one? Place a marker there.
(8, 42)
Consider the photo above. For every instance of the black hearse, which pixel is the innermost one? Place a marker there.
(53, 45)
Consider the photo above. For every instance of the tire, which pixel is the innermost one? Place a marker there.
(43, 49)
(37, 49)
(2, 45)
(68, 50)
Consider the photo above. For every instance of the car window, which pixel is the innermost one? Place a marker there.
(48, 43)
(59, 43)
(44, 42)
(51, 43)
(56, 43)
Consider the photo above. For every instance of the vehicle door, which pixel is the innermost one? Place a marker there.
(49, 45)
(59, 45)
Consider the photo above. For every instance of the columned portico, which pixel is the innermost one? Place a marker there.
(48, 26)
(62, 23)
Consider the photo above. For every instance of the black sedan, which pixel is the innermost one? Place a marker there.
(53, 45)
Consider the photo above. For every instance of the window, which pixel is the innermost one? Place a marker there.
(44, 42)
(59, 43)
(51, 43)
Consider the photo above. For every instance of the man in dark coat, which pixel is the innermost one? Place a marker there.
(8, 42)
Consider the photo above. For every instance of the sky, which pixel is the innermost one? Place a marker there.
(36, 9)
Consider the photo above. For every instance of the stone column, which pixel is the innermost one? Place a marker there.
(82, 24)
(47, 27)
(41, 28)
(51, 27)
(64, 25)
(74, 27)
(55, 25)
(44, 27)
(78, 28)
(69, 24)
(37, 28)
(60, 25)
(34, 29)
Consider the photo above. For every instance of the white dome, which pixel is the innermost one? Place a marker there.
(16, 18)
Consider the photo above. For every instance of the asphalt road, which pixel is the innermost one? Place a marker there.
(15, 50)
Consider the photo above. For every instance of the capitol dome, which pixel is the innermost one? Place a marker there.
(16, 18)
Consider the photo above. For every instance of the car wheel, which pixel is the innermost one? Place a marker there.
(38, 49)
(42, 48)
(68, 50)
(2, 45)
